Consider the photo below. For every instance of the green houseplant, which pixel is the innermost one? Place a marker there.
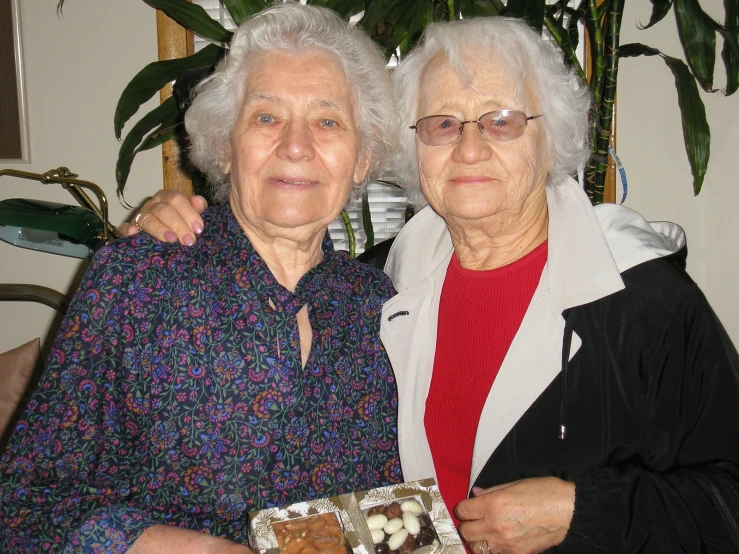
(396, 25)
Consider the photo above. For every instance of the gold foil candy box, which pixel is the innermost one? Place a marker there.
(397, 519)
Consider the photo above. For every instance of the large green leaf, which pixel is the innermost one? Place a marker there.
(193, 17)
(186, 82)
(660, 8)
(345, 8)
(698, 37)
(634, 49)
(156, 75)
(164, 115)
(480, 8)
(396, 23)
(530, 10)
(374, 11)
(731, 42)
(369, 230)
(562, 37)
(160, 136)
(411, 24)
(696, 132)
(243, 9)
(573, 28)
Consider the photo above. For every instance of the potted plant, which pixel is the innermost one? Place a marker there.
(396, 25)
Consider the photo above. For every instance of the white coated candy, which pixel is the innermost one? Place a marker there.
(378, 535)
(411, 506)
(398, 538)
(393, 526)
(376, 521)
(410, 522)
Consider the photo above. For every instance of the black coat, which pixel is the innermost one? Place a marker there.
(650, 404)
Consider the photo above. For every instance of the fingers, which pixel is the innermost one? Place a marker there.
(479, 547)
(526, 516)
(474, 530)
(127, 229)
(199, 203)
(170, 215)
(470, 509)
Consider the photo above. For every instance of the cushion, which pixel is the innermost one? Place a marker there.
(16, 369)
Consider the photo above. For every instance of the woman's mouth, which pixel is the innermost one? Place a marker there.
(471, 179)
(288, 182)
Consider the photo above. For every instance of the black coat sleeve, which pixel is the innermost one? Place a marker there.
(683, 496)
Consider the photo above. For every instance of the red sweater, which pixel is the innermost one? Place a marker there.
(479, 314)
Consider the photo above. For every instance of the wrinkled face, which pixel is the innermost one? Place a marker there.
(475, 178)
(295, 144)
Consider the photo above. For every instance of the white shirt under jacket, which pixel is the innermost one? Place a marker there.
(588, 248)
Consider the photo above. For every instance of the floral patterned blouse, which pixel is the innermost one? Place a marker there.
(175, 393)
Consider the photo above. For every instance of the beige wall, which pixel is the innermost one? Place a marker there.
(77, 66)
(650, 145)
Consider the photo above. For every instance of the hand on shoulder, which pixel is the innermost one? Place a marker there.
(169, 216)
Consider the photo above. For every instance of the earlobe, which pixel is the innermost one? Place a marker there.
(225, 167)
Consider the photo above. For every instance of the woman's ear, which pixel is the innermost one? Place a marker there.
(225, 167)
(361, 168)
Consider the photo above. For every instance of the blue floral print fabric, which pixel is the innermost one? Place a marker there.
(175, 393)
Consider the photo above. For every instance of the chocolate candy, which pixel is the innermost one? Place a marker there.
(393, 526)
(411, 522)
(376, 521)
(425, 537)
(320, 534)
(408, 546)
(397, 539)
(400, 527)
(393, 511)
(411, 506)
(382, 548)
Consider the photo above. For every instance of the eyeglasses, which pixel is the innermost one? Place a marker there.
(497, 126)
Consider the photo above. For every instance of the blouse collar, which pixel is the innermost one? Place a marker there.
(252, 273)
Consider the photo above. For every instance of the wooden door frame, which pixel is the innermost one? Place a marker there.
(174, 41)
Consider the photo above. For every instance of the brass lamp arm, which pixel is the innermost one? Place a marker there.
(74, 186)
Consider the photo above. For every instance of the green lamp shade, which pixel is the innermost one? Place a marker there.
(50, 227)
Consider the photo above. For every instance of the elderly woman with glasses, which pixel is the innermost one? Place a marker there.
(558, 371)
(189, 386)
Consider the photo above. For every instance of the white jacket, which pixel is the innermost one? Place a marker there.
(588, 248)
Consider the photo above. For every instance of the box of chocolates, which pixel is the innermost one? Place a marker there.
(398, 519)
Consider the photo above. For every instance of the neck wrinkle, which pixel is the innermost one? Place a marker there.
(500, 240)
(287, 259)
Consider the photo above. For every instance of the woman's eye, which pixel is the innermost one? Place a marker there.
(328, 123)
(446, 124)
(265, 118)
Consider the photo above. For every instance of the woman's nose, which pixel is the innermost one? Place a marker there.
(471, 147)
(296, 142)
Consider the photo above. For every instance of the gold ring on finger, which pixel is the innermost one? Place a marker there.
(136, 221)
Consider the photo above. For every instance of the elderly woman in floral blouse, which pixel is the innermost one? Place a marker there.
(189, 386)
